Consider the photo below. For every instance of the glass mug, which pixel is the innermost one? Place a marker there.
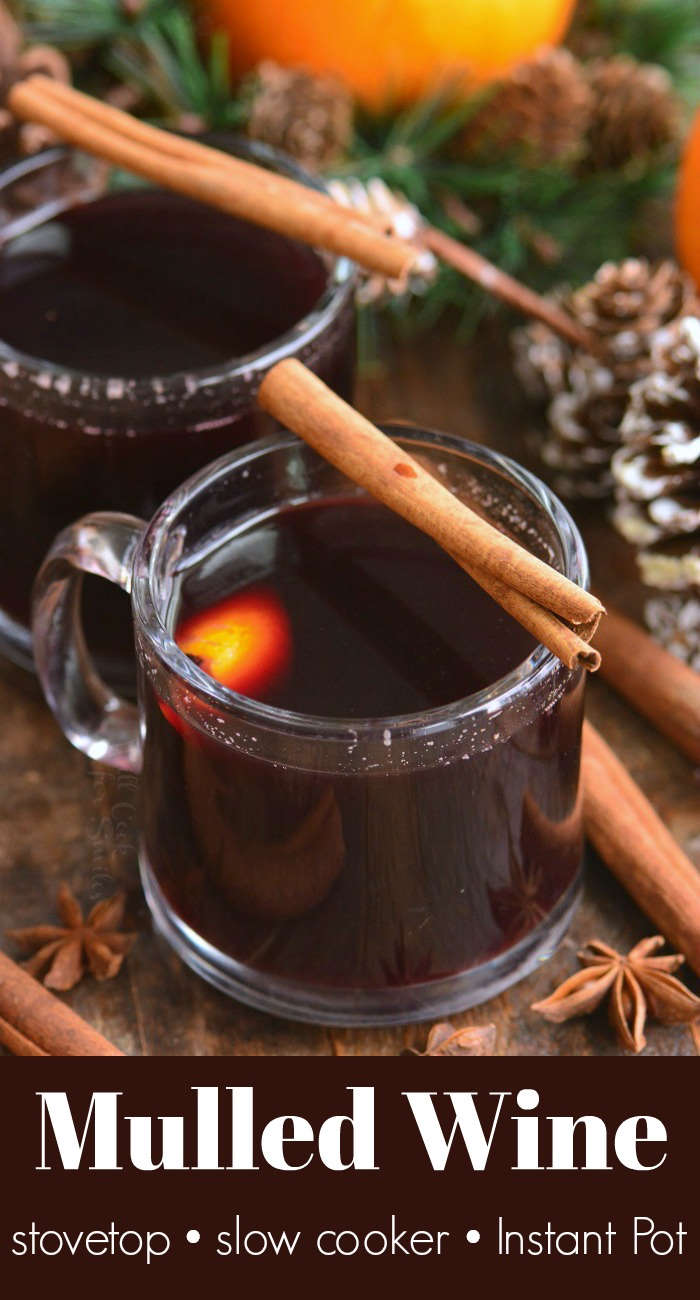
(74, 441)
(282, 854)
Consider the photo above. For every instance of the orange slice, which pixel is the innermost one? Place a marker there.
(244, 642)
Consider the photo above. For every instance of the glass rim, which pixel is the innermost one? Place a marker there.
(341, 283)
(528, 676)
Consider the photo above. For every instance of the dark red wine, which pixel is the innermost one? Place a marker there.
(381, 622)
(136, 285)
(143, 283)
(379, 877)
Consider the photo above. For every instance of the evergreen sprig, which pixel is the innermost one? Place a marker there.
(79, 25)
(653, 31)
(151, 45)
(584, 217)
(163, 60)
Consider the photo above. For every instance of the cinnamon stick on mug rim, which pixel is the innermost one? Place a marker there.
(634, 843)
(657, 684)
(41, 1020)
(182, 147)
(271, 200)
(241, 189)
(568, 645)
(302, 402)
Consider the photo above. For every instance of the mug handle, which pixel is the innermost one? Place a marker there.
(94, 719)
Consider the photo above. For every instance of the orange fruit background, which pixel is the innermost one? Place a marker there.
(389, 50)
(688, 204)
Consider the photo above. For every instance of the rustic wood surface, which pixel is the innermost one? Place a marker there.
(64, 818)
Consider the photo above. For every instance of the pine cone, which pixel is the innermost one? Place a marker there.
(675, 621)
(623, 305)
(541, 112)
(309, 117)
(657, 476)
(396, 216)
(635, 112)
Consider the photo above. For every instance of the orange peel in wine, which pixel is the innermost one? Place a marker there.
(244, 642)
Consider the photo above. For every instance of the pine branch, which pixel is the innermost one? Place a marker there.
(653, 31)
(150, 45)
(585, 217)
(581, 218)
(78, 24)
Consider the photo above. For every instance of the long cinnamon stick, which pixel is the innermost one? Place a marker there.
(630, 793)
(281, 203)
(656, 683)
(326, 226)
(297, 398)
(42, 1020)
(634, 843)
(183, 148)
(464, 259)
(632, 797)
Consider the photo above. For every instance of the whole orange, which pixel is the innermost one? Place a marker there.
(389, 50)
(688, 204)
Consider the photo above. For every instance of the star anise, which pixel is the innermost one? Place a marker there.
(638, 984)
(66, 952)
(444, 1040)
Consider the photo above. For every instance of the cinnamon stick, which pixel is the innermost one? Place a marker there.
(183, 148)
(637, 847)
(35, 1017)
(634, 798)
(270, 199)
(569, 645)
(656, 683)
(16, 1042)
(464, 259)
(302, 402)
(325, 225)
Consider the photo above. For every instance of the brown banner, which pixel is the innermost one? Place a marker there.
(392, 1170)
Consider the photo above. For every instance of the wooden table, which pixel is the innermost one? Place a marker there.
(64, 818)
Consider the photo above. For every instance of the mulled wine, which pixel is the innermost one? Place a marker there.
(358, 775)
(120, 320)
(146, 282)
(393, 875)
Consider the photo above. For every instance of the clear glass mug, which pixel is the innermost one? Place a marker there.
(72, 441)
(284, 856)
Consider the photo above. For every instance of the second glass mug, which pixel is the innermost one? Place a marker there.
(74, 440)
(471, 809)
